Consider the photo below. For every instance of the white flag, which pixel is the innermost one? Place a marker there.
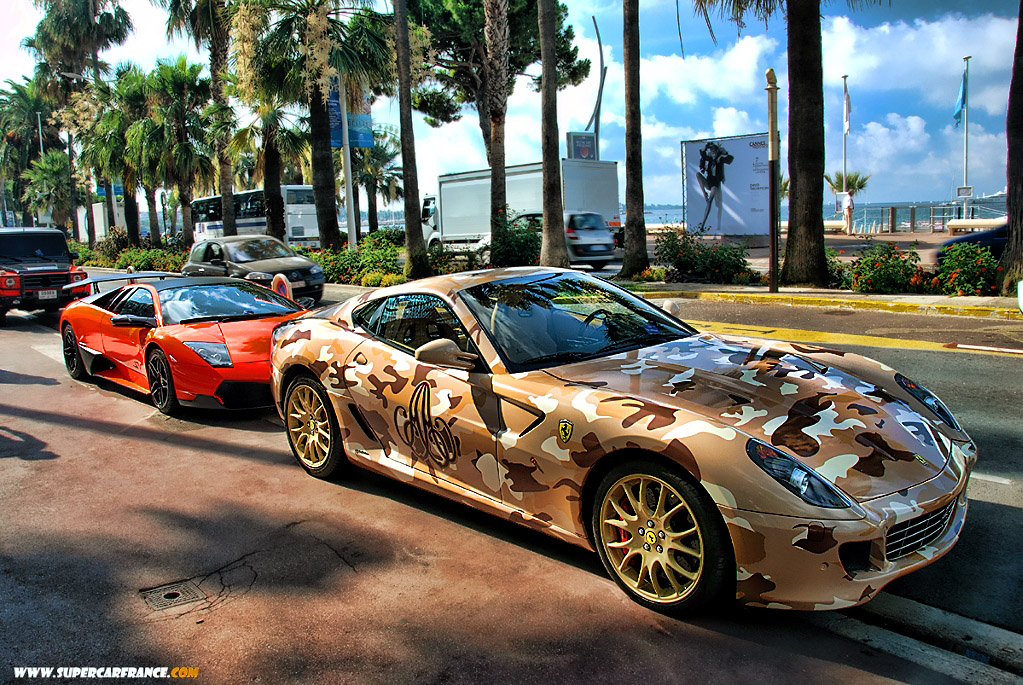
(845, 117)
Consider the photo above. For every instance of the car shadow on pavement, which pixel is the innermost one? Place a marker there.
(19, 445)
(15, 378)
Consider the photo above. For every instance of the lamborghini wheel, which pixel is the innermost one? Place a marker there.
(161, 383)
(73, 355)
(661, 538)
(313, 431)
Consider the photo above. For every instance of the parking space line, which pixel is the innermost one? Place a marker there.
(991, 479)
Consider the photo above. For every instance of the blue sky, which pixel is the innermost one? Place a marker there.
(904, 62)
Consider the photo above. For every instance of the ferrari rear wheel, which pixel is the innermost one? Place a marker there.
(661, 538)
(313, 431)
(73, 355)
(161, 383)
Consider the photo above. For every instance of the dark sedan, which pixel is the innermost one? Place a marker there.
(256, 258)
(993, 239)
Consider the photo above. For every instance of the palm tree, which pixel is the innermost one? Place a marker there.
(46, 186)
(852, 183)
(208, 23)
(179, 96)
(496, 68)
(22, 108)
(147, 159)
(378, 172)
(553, 251)
(635, 259)
(417, 264)
(1011, 262)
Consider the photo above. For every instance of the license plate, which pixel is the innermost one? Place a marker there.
(47, 294)
(298, 284)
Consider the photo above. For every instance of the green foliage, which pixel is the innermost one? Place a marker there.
(884, 268)
(519, 246)
(838, 275)
(650, 274)
(967, 269)
(88, 256)
(114, 243)
(394, 236)
(446, 261)
(372, 279)
(345, 266)
(153, 259)
(689, 259)
(392, 279)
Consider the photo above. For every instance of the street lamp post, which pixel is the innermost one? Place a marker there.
(774, 143)
(966, 132)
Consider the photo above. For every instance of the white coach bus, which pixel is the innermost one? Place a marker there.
(250, 215)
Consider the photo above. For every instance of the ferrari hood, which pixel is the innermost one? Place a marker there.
(850, 431)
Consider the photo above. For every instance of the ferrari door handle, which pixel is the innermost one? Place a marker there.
(360, 359)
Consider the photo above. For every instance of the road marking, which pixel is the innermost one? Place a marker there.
(803, 336)
(53, 351)
(984, 348)
(991, 479)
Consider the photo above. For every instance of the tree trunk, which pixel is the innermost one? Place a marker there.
(553, 251)
(109, 202)
(417, 264)
(1011, 262)
(356, 213)
(483, 110)
(275, 224)
(371, 207)
(805, 261)
(218, 63)
(496, 60)
(187, 227)
(635, 259)
(131, 216)
(90, 219)
(324, 183)
(75, 229)
(154, 218)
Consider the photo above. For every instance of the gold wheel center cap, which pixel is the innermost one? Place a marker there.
(651, 537)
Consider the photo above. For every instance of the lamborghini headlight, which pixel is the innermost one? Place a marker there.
(929, 400)
(214, 354)
(798, 479)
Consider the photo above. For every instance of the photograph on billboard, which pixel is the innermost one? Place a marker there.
(726, 185)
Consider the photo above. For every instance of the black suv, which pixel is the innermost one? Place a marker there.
(35, 264)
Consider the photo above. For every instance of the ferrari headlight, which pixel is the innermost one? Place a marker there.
(929, 399)
(798, 479)
(259, 276)
(214, 354)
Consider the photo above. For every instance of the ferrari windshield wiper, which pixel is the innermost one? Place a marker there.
(645, 341)
(558, 357)
(8, 256)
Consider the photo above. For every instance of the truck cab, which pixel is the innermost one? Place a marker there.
(35, 265)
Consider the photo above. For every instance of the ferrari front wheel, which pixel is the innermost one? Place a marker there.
(661, 538)
(161, 382)
(73, 354)
(313, 431)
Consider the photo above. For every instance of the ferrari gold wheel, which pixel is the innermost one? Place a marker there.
(312, 428)
(660, 537)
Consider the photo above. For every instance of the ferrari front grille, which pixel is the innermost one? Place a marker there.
(241, 395)
(907, 537)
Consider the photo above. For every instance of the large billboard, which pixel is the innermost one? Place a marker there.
(726, 185)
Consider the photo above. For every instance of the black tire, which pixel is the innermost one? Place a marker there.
(673, 574)
(73, 355)
(309, 421)
(51, 308)
(597, 266)
(161, 383)
(3, 317)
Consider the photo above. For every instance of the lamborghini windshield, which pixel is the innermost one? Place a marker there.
(550, 319)
(222, 302)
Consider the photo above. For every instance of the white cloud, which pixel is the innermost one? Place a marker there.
(729, 121)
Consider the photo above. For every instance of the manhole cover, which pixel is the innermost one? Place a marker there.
(173, 594)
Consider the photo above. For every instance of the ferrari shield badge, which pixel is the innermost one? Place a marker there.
(565, 430)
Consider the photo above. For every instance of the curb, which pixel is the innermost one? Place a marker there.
(812, 301)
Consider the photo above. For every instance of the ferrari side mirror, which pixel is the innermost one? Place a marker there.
(444, 352)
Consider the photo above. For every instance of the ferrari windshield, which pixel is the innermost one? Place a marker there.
(257, 249)
(221, 302)
(549, 319)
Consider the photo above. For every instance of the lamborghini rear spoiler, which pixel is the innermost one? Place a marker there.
(96, 280)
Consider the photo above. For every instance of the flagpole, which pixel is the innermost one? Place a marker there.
(966, 132)
(845, 127)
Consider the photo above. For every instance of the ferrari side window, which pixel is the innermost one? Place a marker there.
(409, 321)
(139, 303)
(368, 316)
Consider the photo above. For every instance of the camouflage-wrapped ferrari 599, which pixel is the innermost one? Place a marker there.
(697, 466)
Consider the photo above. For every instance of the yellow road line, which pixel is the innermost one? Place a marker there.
(820, 337)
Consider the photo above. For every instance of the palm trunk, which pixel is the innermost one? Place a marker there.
(187, 227)
(496, 33)
(417, 263)
(483, 110)
(272, 189)
(635, 259)
(75, 229)
(371, 207)
(154, 218)
(356, 213)
(107, 188)
(90, 219)
(805, 261)
(324, 184)
(1012, 258)
(131, 216)
(218, 63)
(553, 251)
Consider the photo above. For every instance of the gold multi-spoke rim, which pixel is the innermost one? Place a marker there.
(309, 426)
(651, 538)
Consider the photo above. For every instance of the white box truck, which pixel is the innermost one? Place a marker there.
(459, 215)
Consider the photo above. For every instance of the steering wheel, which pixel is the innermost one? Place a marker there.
(597, 313)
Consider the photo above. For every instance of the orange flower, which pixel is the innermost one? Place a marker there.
(1001, 268)
(841, 252)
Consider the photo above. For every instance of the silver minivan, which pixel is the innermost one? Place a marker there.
(587, 236)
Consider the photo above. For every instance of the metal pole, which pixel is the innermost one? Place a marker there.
(595, 117)
(845, 131)
(772, 169)
(966, 133)
(353, 238)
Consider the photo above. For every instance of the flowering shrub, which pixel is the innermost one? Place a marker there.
(114, 243)
(153, 259)
(884, 268)
(966, 269)
(650, 274)
(838, 275)
(519, 246)
(689, 259)
(392, 279)
(88, 256)
(346, 266)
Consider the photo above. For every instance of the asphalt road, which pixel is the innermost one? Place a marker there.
(368, 580)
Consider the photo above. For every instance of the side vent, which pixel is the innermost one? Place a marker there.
(363, 424)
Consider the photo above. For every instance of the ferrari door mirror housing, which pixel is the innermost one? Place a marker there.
(671, 306)
(129, 321)
(445, 353)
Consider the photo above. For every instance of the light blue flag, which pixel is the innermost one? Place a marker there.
(960, 102)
